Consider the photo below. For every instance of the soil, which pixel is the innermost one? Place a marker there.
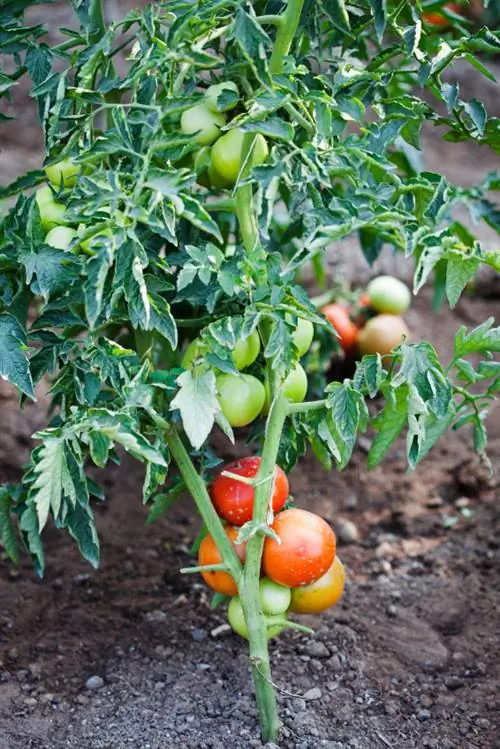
(132, 655)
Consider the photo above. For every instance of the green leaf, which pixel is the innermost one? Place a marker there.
(252, 40)
(477, 113)
(480, 340)
(460, 268)
(28, 525)
(80, 523)
(8, 535)
(51, 474)
(164, 501)
(272, 127)
(434, 429)
(14, 365)
(379, 13)
(53, 268)
(198, 405)
(337, 13)
(97, 272)
(343, 420)
(373, 372)
(121, 428)
(389, 424)
(420, 369)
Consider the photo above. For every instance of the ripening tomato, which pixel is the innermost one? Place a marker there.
(202, 124)
(389, 294)
(303, 335)
(236, 619)
(60, 237)
(306, 551)
(227, 154)
(65, 172)
(274, 598)
(208, 553)
(241, 398)
(434, 18)
(214, 91)
(381, 334)
(339, 319)
(51, 211)
(322, 594)
(233, 500)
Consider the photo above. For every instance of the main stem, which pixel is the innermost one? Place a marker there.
(284, 35)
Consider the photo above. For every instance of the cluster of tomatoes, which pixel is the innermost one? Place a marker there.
(243, 397)
(375, 325)
(301, 573)
(52, 211)
(219, 161)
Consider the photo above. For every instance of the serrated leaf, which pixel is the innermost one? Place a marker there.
(164, 501)
(373, 373)
(28, 525)
(50, 471)
(477, 113)
(121, 428)
(459, 270)
(480, 340)
(14, 365)
(198, 405)
(343, 420)
(80, 523)
(389, 424)
(420, 369)
(8, 535)
(54, 269)
(252, 41)
(97, 272)
(379, 13)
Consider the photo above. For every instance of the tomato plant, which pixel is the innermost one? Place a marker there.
(307, 111)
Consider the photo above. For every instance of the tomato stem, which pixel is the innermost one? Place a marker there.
(284, 35)
(204, 568)
(296, 408)
(244, 198)
(237, 477)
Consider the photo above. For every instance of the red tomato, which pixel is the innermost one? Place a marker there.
(338, 317)
(233, 500)
(306, 551)
(320, 595)
(208, 553)
(434, 18)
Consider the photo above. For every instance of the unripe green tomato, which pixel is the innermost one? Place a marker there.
(241, 398)
(215, 179)
(238, 624)
(295, 385)
(274, 598)
(202, 124)
(303, 336)
(51, 211)
(60, 237)
(246, 350)
(227, 153)
(214, 91)
(87, 243)
(389, 294)
(66, 171)
(194, 352)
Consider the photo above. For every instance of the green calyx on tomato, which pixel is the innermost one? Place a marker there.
(236, 618)
(52, 213)
(60, 237)
(203, 124)
(241, 398)
(303, 335)
(65, 172)
(227, 154)
(274, 598)
(227, 102)
(388, 294)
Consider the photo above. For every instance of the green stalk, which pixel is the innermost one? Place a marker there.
(244, 198)
(97, 22)
(284, 35)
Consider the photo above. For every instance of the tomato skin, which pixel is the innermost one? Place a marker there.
(236, 619)
(215, 90)
(202, 124)
(227, 154)
(208, 553)
(389, 294)
(339, 319)
(306, 552)
(274, 598)
(65, 171)
(246, 350)
(295, 385)
(60, 237)
(303, 335)
(241, 398)
(233, 500)
(381, 334)
(434, 18)
(322, 594)
(52, 212)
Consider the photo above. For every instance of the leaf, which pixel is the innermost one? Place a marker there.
(389, 424)
(121, 428)
(343, 420)
(434, 429)
(480, 340)
(162, 320)
(80, 524)
(53, 268)
(438, 202)
(198, 405)
(373, 373)
(8, 536)
(252, 40)
(460, 268)
(337, 13)
(14, 365)
(379, 13)
(50, 472)
(164, 501)
(97, 272)
(28, 525)
(420, 369)
(477, 113)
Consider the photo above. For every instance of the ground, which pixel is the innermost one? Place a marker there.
(131, 654)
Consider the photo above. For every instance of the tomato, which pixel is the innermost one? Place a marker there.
(306, 551)
(60, 237)
(381, 334)
(241, 398)
(295, 385)
(246, 350)
(339, 319)
(434, 18)
(215, 179)
(236, 619)
(389, 294)
(320, 595)
(233, 500)
(208, 553)
(303, 335)
(215, 90)
(65, 172)
(227, 153)
(274, 598)
(195, 354)
(202, 124)
(51, 211)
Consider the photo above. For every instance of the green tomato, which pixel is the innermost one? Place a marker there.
(60, 237)
(215, 179)
(194, 352)
(203, 124)
(295, 385)
(241, 398)
(389, 295)
(51, 211)
(246, 351)
(236, 619)
(87, 243)
(65, 171)
(227, 153)
(303, 336)
(274, 598)
(213, 92)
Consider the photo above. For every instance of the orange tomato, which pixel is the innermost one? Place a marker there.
(381, 334)
(434, 18)
(208, 553)
(339, 319)
(322, 594)
(306, 551)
